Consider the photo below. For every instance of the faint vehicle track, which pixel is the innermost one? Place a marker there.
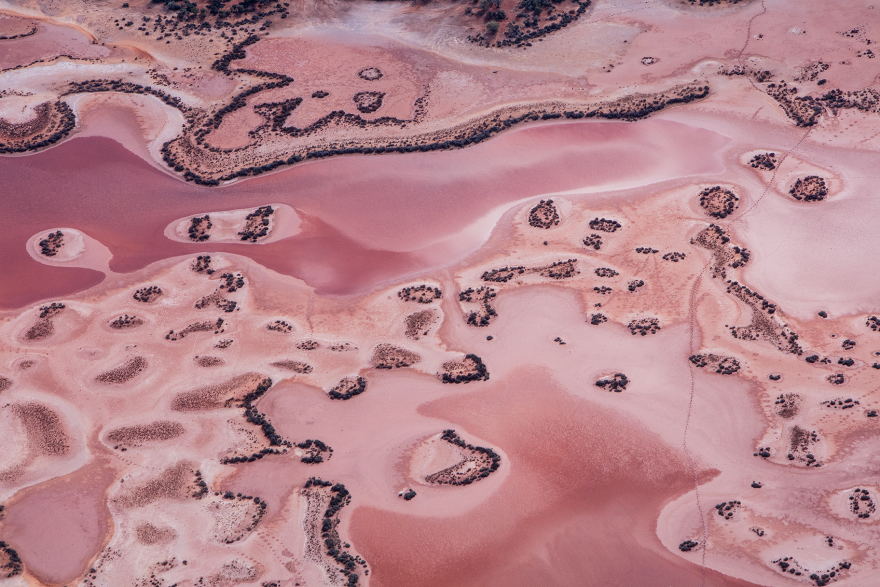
(692, 313)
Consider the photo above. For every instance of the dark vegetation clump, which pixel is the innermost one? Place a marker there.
(763, 324)
(470, 368)
(556, 270)
(348, 388)
(10, 563)
(370, 73)
(199, 227)
(485, 460)
(148, 294)
(335, 548)
(314, 451)
(615, 383)
(368, 102)
(644, 326)
(44, 327)
(320, 94)
(646, 250)
(787, 405)
(231, 282)
(534, 19)
(255, 518)
(53, 122)
(724, 254)
(202, 264)
(718, 202)
(205, 326)
(482, 295)
(836, 379)
(840, 403)
(503, 274)
(258, 419)
(635, 284)
(809, 189)
(674, 256)
(605, 272)
(861, 503)
(49, 246)
(419, 324)
(256, 224)
(208, 362)
(597, 319)
(789, 565)
(721, 365)
(28, 33)
(295, 366)
(51, 310)
(409, 494)
(423, 294)
(727, 509)
(605, 225)
(688, 545)
(593, 241)
(764, 161)
(279, 326)
(388, 356)
(803, 110)
(277, 444)
(179, 153)
(124, 373)
(544, 215)
(202, 486)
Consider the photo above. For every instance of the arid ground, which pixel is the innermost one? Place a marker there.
(439, 293)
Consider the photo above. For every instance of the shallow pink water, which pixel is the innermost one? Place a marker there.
(578, 509)
(49, 41)
(370, 210)
(58, 527)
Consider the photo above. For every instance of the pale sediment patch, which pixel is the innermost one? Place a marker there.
(73, 248)
(235, 226)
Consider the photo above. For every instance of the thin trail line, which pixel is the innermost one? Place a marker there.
(687, 422)
(749, 32)
(692, 315)
(773, 177)
(693, 318)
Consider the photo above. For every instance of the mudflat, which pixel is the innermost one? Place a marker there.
(407, 294)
